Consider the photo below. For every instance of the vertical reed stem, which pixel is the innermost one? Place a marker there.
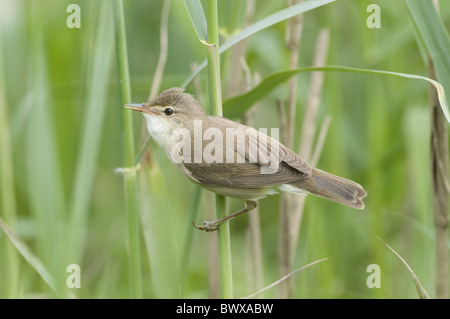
(215, 92)
(8, 207)
(288, 201)
(439, 176)
(215, 99)
(130, 180)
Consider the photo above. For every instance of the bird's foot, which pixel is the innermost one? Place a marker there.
(208, 226)
(214, 224)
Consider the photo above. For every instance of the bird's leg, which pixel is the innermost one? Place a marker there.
(212, 225)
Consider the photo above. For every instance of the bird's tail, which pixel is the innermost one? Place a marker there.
(333, 187)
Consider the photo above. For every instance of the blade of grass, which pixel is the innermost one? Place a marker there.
(198, 19)
(130, 178)
(433, 33)
(44, 176)
(274, 18)
(97, 88)
(284, 278)
(7, 185)
(26, 253)
(238, 105)
(420, 290)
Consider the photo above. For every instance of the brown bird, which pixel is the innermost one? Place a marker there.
(234, 160)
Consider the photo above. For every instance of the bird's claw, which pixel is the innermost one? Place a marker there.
(207, 226)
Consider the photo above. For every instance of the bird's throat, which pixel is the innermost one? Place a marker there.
(159, 129)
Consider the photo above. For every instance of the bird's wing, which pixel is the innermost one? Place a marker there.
(262, 162)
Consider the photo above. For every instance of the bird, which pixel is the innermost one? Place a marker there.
(235, 160)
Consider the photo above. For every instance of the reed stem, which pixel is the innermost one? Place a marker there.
(215, 99)
(8, 207)
(130, 178)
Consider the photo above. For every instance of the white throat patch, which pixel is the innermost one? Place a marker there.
(158, 129)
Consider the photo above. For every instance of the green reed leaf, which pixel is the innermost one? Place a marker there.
(269, 21)
(238, 105)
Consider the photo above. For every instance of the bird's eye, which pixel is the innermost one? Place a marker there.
(168, 111)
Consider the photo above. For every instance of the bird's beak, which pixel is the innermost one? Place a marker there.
(138, 107)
